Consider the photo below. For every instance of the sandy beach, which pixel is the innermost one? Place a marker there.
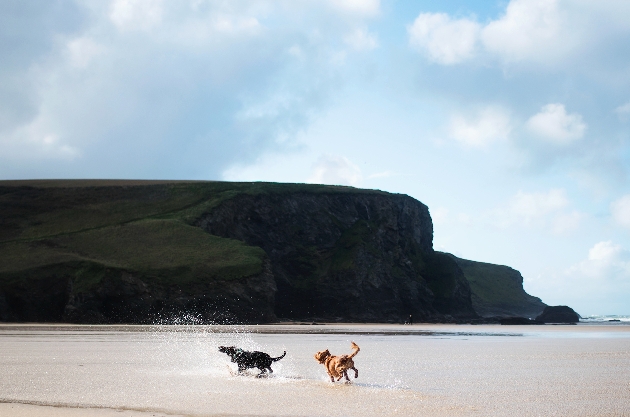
(432, 370)
(30, 410)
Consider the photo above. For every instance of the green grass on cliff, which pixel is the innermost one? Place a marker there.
(139, 226)
(492, 283)
(165, 250)
(38, 209)
(498, 290)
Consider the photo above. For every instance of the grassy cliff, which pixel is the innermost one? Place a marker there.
(497, 290)
(132, 248)
(146, 251)
(136, 226)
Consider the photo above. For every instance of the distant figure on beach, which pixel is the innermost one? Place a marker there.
(409, 320)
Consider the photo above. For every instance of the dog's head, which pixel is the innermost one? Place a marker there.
(322, 355)
(228, 350)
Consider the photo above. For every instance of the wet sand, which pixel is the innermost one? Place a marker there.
(30, 410)
(433, 370)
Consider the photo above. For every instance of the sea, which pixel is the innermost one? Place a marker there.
(614, 319)
(428, 370)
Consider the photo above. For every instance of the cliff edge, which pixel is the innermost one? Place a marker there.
(110, 251)
(347, 256)
(497, 291)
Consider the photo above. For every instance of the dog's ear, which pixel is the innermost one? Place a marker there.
(322, 355)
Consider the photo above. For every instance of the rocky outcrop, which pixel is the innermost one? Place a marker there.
(124, 297)
(558, 314)
(518, 321)
(497, 291)
(347, 256)
(33, 297)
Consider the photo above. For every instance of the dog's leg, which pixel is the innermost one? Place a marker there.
(270, 370)
(332, 377)
(262, 373)
(345, 373)
(356, 372)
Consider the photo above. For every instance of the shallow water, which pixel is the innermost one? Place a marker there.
(403, 370)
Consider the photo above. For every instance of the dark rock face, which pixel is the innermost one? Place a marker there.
(122, 297)
(558, 314)
(343, 256)
(326, 253)
(518, 321)
(41, 299)
(497, 291)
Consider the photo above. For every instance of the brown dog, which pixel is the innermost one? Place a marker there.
(337, 366)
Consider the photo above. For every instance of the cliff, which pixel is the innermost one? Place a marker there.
(95, 251)
(347, 256)
(497, 290)
(123, 252)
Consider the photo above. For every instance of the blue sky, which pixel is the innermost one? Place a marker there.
(509, 119)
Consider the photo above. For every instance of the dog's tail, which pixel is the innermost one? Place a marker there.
(279, 357)
(356, 349)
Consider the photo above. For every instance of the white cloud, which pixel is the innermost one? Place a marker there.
(270, 107)
(553, 124)
(235, 24)
(549, 211)
(565, 223)
(182, 24)
(296, 51)
(605, 252)
(136, 14)
(607, 263)
(442, 39)
(360, 7)
(600, 284)
(623, 111)
(335, 170)
(38, 140)
(529, 206)
(547, 34)
(204, 31)
(620, 210)
(180, 89)
(530, 30)
(489, 125)
(361, 40)
(82, 51)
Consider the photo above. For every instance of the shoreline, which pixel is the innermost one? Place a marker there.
(39, 409)
(421, 329)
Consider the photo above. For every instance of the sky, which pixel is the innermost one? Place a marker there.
(510, 119)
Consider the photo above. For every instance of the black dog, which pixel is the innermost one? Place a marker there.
(246, 360)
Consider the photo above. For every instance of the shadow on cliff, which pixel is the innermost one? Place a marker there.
(215, 252)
